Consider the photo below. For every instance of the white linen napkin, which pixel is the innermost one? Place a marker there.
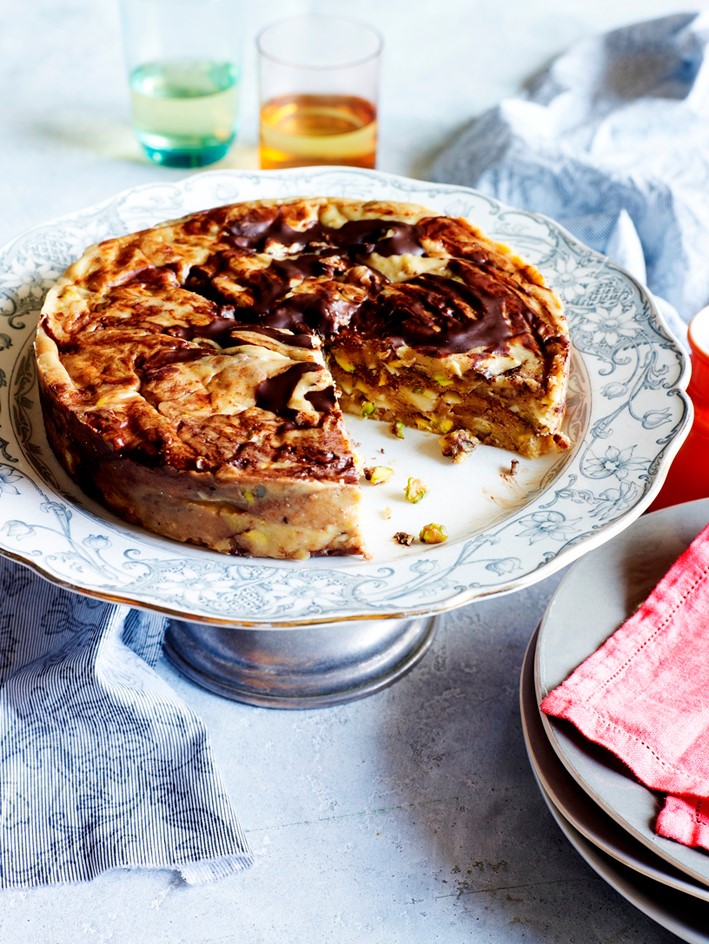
(612, 141)
(101, 764)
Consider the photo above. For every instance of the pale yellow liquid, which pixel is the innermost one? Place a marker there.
(298, 130)
(184, 111)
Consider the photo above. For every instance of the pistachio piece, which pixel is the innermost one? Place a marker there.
(378, 474)
(433, 533)
(446, 424)
(344, 362)
(414, 490)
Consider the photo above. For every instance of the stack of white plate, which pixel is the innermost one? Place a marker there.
(604, 812)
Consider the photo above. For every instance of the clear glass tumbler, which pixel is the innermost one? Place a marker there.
(183, 72)
(319, 89)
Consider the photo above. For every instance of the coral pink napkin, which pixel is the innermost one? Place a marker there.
(644, 695)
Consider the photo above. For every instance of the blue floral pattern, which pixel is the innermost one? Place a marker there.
(101, 765)
(628, 414)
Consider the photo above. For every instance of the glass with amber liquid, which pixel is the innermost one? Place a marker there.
(318, 84)
(318, 129)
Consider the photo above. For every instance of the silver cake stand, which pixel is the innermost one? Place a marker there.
(298, 666)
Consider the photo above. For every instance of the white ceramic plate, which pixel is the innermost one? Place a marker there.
(591, 602)
(577, 807)
(627, 417)
(686, 917)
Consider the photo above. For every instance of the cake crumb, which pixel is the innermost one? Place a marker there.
(458, 444)
(509, 474)
(403, 537)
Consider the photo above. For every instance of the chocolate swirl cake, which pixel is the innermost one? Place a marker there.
(193, 375)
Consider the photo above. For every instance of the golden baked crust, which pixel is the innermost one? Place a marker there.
(186, 371)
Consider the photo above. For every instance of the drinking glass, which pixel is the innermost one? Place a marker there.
(183, 70)
(318, 85)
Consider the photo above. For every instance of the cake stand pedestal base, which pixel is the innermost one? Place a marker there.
(298, 667)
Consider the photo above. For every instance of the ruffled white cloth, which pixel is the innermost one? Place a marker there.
(612, 141)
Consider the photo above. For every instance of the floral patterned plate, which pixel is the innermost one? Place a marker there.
(509, 524)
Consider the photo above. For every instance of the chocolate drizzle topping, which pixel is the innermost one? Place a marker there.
(355, 238)
(434, 314)
(323, 400)
(225, 331)
(319, 280)
(275, 393)
(439, 316)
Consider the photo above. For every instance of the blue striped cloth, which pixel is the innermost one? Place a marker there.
(101, 765)
(612, 141)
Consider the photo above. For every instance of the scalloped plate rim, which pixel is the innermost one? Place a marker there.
(463, 594)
